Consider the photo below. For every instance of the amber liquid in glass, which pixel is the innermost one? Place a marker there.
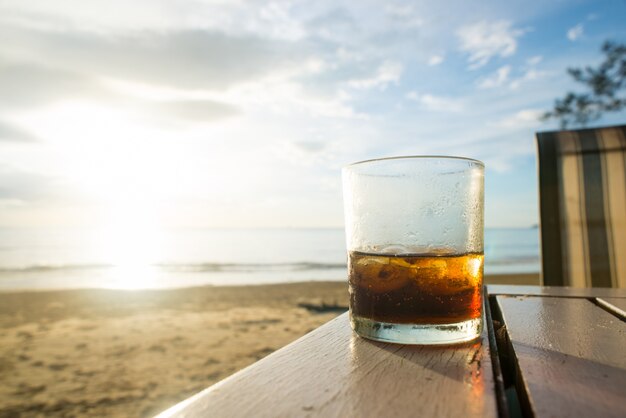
(416, 288)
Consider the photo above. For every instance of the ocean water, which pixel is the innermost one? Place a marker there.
(81, 258)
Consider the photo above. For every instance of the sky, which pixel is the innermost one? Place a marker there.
(235, 113)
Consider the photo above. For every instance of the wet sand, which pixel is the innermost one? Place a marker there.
(121, 353)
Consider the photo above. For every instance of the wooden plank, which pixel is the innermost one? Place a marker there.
(498, 376)
(333, 373)
(617, 306)
(570, 356)
(558, 291)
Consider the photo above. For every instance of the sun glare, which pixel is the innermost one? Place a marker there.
(124, 171)
(106, 154)
(131, 243)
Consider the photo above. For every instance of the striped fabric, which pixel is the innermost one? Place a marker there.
(582, 193)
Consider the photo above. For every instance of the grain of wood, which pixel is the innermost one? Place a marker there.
(617, 306)
(556, 291)
(333, 373)
(570, 354)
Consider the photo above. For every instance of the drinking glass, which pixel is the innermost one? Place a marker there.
(414, 232)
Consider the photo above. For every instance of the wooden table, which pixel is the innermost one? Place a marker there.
(545, 352)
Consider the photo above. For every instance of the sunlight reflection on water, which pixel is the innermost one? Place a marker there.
(132, 244)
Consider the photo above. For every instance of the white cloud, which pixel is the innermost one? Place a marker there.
(534, 60)
(273, 19)
(436, 103)
(502, 77)
(389, 72)
(530, 75)
(575, 33)
(397, 10)
(522, 119)
(280, 23)
(188, 58)
(9, 203)
(288, 98)
(404, 16)
(485, 40)
(497, 79)
(435, 60)
(10, 133)
(310, 146)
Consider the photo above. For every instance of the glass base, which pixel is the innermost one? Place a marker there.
(422, 334)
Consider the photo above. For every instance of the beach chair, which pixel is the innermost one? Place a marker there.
(582, 199)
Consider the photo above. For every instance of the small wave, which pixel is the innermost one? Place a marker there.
(54, 267)
(511, 260)
(185, 267)
(249, 267)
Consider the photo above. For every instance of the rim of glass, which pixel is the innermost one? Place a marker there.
(417, 157)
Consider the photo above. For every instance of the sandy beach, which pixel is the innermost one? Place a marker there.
(121, 353)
